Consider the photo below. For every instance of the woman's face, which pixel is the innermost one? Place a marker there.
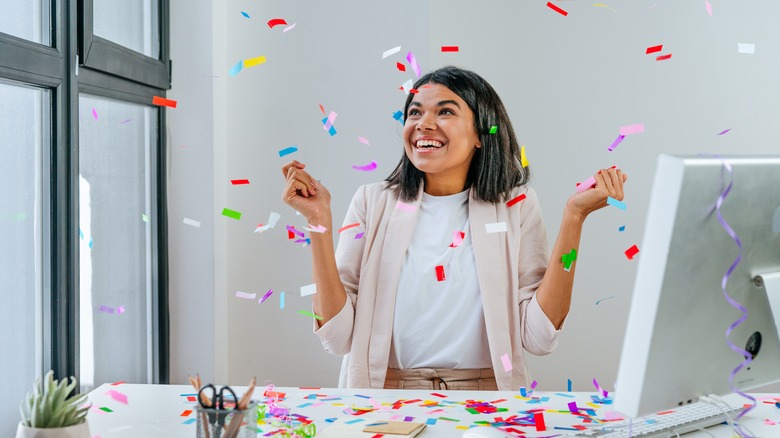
(439, 135)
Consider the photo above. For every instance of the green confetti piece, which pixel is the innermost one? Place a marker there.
(231, 214)
(104, 409)
(144, 217)
(568, 259)
(473, 411)
(309, 314)
(493, 129)
(449, 419)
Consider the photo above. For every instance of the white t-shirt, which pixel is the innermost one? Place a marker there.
(440, 324)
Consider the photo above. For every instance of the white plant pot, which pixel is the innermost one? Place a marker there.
(75, 431)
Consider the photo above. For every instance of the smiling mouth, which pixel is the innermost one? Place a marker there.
(428, 144)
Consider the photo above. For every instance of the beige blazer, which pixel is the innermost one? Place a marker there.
(510, 266)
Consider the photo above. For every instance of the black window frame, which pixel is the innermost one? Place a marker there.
(108, 70)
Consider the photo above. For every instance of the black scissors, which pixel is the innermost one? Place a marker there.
(217, 402)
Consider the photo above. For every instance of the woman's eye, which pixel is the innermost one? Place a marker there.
(446, 111)
(414, 112)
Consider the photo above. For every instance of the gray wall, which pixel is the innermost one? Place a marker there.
(568, 83)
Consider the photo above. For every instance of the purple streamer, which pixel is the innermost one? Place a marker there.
(732, 301)
(616, 142)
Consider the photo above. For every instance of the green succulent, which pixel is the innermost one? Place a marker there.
(49, 406)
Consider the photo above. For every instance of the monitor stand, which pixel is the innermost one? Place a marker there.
(771, 285)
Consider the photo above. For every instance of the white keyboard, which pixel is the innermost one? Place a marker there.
(682, 420)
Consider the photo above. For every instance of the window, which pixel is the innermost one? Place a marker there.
(82, 212)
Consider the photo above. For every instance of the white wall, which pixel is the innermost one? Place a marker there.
(568, 83)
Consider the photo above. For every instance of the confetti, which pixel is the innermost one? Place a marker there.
(107, 309)
(191, 222)
(273, 218)
(413, 63)
(497, 227)
(568, 259)
(654, 49)
(560, 11)
(440, 273)
(573, 407)
(144, 217)
(288, 150)
(265, 297)
(359, 235)
(118, 396)
(708, 6)
(568, 385)
(309, 314)
(236, 68)
(366, 168)
(364, 141)
(614, 202)
(245, 14)
(725, 131)
(598, 301)
(346, 227)
(515, 200)
(457, 238)
(746, 48)
(449, 48)
(622, 228)
(603, 392)
(318, 229)
(615, 143)
(663, 57)
(161, 101)
(400, 66)
(392, 51)
(407, 86)
(329, 120)
(523, 159)
(405, 207)
(585, 185)
(275, 22)
(631, 252)
(604, 6)
(506, 362)
(332, 129)
(398, 115)
(539, 422)
(237, 182)
(120, 310)
(231, 214)
(281, 300)
(632, 129)
(309, 289)
(290, 27)
(493, 129)
(94, 113)
(245, 295)
(251, 62)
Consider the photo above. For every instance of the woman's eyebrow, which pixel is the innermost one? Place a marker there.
(441, 103)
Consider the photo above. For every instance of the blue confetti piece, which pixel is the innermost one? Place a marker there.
(563, 394)
(568, 384)
(244, 14)
(288, 151)
(616, 203)
(375, 424)
(81, 234)
(430, 421)
(623, 228)
(281, 300)
(332, 131)
(236, 68)
(189, 421)
(330, 420)
(362, 396)
(90, 243)
(357, 420)
(398, 115)
(522, 391)
(305, 405)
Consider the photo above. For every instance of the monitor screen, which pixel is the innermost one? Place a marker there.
(675, 348)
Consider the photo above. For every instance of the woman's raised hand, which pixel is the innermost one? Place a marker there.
(305, 194)
(609, 183)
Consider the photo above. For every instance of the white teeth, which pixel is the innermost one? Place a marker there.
(429, 144)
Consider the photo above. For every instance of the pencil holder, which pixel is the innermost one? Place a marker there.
(227, 423)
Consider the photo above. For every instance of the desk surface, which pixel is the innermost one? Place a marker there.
(127, 410)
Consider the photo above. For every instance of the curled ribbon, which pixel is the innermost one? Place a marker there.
(729, 299)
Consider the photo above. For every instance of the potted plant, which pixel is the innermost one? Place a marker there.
(49, 412)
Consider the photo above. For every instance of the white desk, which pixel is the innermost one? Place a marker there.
(156, 410)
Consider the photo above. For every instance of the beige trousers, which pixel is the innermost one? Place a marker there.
(435, 379)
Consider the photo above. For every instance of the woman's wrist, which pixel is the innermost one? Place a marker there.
(573, 216)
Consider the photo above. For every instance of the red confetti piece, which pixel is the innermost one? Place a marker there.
(346, 227)
(236, 182)
(515, 200)
(274, 394)
(440, 273)
(161, 101)
(414, 90)
(379, 435)
(400, 66)
(275, 22)
(557, 9)
(436, 394)
(631, 252)
(118, 383)
(663, 57)
(449, 48)
(290, 234)
(322, 108)
(654, 49)
(191, 398)
(186, 413)
(539, 422)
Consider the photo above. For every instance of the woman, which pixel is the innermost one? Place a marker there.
(452, 280)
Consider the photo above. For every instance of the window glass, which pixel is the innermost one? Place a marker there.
(132, 24)
(28, 19)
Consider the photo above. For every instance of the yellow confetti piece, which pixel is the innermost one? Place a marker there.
(523, 159)
(603, 6)
(594, 405)
(462, 427)
(254, 61)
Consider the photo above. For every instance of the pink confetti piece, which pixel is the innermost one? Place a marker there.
(94, 113)
(118, 396)
(405, 207)
(603, 392)
(329, 123)
(367, 167)
(506, 362)
(244, 295)
(708, 6)
(107, 309)
(120, 310)
(632, 129)
(457, 238)
(585, 185)
(318, 229)
(725, 131)
(364, 141)
(265, 297)
(359, 235)
(615, 143)
(413, 63)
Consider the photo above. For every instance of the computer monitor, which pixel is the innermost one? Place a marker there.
(675, 350)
